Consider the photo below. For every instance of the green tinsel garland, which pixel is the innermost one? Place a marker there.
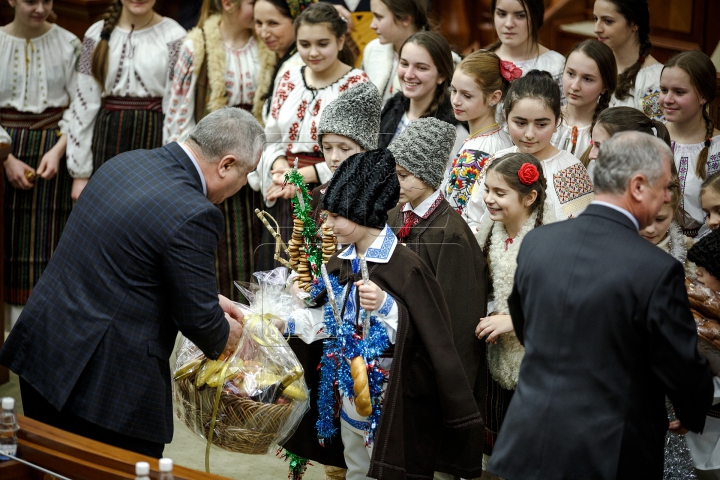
(297, 464)
(303, 211)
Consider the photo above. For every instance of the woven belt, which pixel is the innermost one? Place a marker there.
(305, 159)
(11, 118)
(133, 103)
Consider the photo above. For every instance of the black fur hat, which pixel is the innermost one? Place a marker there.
(364, 188)
(706, 253)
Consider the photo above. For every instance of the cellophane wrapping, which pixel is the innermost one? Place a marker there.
(705, 307)
(263, 393)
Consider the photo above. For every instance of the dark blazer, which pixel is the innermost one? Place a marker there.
(605, 321)
(135, 264)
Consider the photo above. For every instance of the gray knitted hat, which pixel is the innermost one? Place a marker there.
(423, 149)
(354, 114)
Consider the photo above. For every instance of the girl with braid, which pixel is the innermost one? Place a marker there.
(589, 80)
(687, 87)
(37, 84)
(514, 192)
(624, 26)
(125, 68)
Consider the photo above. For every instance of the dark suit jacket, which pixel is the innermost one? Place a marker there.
(135, 264)
(607, 329)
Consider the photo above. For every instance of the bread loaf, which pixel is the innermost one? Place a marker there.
(358, 371)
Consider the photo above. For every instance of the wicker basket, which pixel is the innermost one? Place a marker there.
(243, 425)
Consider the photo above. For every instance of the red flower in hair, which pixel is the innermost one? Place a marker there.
(528, 174)
(509, 71)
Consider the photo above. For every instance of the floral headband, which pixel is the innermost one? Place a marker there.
(528, 174)
(509, 71)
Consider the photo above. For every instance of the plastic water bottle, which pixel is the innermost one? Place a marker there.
(8, 429)
(142, 471)
(166, 466)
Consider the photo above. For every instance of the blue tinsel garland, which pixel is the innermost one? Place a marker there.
(344, 343)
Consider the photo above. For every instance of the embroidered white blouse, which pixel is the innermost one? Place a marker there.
(468, 166)
(686, 157)
(569, 188)
(562, 139)
(293, 121)
(140, 65)
(242, 67)
(39, 73)
(645, 95)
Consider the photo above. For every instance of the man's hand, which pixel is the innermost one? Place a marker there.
(234, 335)
(371, 296)
(229, 307)
(677, 428)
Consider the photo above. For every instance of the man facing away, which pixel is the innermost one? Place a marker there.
(135, 264)
(605, 321)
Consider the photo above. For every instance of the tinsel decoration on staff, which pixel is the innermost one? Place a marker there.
(305, 255)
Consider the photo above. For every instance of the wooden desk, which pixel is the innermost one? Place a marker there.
(78, 457)
(5, 149)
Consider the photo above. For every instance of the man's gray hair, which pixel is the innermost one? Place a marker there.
(226, 131)
(628, 154)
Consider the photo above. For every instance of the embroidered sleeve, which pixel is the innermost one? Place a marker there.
(180, 117)
(71, 74)
(574, 189)
(84, 110)
(650, 105)
(388, 315)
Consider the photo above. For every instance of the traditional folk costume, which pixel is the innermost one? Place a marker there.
(35, 91)
(705, 447)
(646, 93)
(569, 188)
(572, 139)
(210, 75)
(505, 356)
(128, 114)
(444, 241)
(394, 119)
(423, 415)
(686, 157)
(291, 130)
(468, 166)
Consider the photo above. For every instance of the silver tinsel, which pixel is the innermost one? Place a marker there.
(678, 464)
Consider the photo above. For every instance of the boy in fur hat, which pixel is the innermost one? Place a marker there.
(422, 414)
(430, 227)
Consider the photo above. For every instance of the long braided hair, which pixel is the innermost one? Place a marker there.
(635, 12)
(509, 167)
(101, 54)
(702, 73)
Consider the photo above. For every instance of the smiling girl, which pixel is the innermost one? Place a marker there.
(532, 107)
(710, 201)
(517, 23)
(478, 86)
(125, 69)
(304, 91)
(687, 87)
(589, 80)
(515, 193)
(624, 26)
(34, 96)
(425, 71)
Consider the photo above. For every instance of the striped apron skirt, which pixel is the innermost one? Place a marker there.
(35, 218)
(125, 124)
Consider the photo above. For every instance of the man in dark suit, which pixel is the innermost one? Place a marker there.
(605, 321)
(135, 264)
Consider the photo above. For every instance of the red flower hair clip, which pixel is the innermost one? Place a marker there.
(509, 71)
(528, 174)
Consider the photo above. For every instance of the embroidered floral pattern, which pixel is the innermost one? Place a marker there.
(294, 131)
(173, 52)
(302, 108)
(85, 63)
(650, 104)
(466, 169)
(317, 107)
(572, 183)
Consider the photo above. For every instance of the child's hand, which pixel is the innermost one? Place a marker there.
(296, 288)
(371, 296)
(493, 326)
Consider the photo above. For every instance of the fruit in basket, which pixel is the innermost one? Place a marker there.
(189, 369)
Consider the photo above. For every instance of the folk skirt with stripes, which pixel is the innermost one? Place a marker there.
(35, 218)
(125, 124)
(496, 407)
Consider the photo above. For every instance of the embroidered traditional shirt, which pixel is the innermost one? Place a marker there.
(562, 139)
(39, 73)
(686, 157)
(646, 93)
(140, 65)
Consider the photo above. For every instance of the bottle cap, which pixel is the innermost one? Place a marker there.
(142, 468)
(166, 465)
(8, 403)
